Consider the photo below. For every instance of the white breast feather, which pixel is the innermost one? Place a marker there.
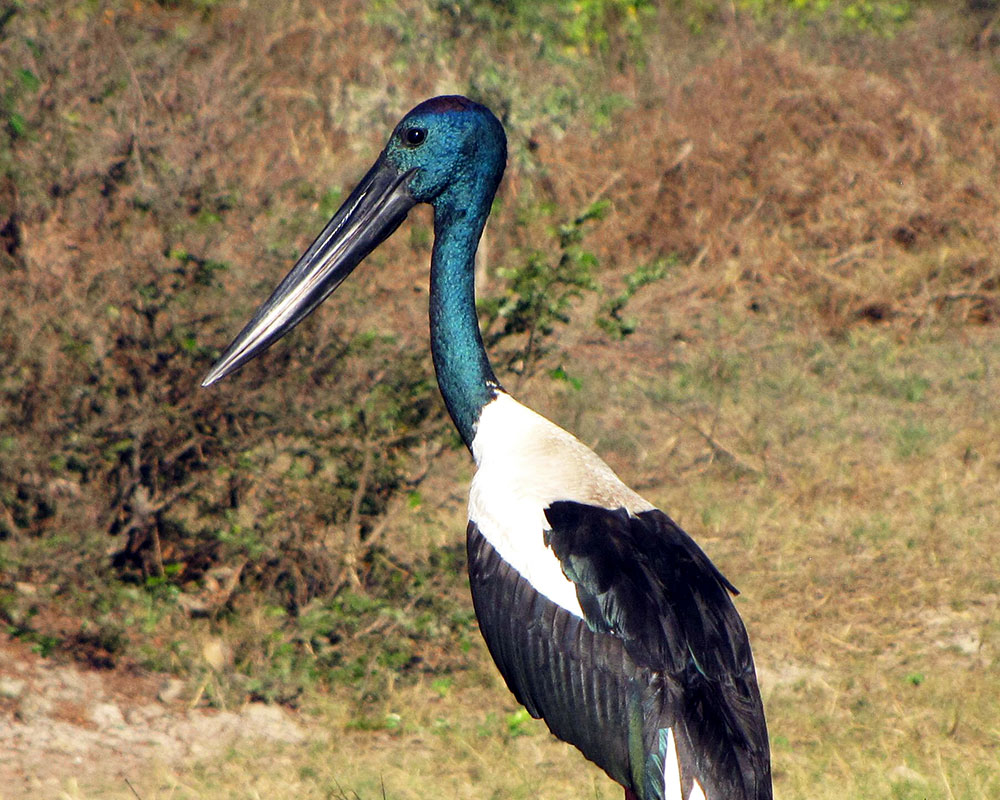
(525, 463)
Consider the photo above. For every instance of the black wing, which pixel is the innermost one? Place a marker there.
(647, 582)
(644, 581)
(578, 681)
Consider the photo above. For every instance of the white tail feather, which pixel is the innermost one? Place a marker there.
(672, 787)
(671, 770)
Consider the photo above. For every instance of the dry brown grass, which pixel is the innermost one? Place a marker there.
(848, 191)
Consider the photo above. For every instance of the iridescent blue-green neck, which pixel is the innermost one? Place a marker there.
(463, 369)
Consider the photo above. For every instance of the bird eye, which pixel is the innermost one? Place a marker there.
(414, 136)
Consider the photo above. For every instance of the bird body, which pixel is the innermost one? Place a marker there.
(604, 618)
(598, 611)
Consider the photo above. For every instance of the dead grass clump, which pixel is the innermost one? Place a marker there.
(845, 192)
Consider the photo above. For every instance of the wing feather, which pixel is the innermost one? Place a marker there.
(553, 664)
(642, 580)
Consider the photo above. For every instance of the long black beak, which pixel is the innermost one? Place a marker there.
(373, 211)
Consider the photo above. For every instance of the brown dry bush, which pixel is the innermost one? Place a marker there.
(851, 191)
(153, 142)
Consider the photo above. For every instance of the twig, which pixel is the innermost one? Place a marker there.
(604, 187)
(696, 262)
(944, 777)
(352, 530)
(851, 254)
(384, 622)
(397, 502)
(198, 694)
(137, 126)
(718, 451)
(949, 297)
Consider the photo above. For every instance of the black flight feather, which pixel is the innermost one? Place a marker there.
(642, 580)
(556, 667)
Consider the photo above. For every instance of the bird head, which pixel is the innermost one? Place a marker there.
(448, 151)
(451, 145)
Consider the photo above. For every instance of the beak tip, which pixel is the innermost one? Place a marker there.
(214, 376)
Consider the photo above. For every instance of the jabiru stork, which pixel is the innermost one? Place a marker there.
(604, 618)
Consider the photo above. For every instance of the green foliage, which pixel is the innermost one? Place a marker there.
(17, 88)
(539, 295)
(912, 439)
(584, 26)
(41, 643)
(877, 16)
(560, 374)
(574, 42)
(571, 27)
(518, 723)
(610, 319)
(204, 6)
(368, 637)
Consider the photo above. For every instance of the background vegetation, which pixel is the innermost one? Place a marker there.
(747, 250)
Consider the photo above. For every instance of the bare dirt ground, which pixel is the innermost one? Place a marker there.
(62, 724)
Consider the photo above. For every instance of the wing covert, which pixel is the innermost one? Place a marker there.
(646, 581)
